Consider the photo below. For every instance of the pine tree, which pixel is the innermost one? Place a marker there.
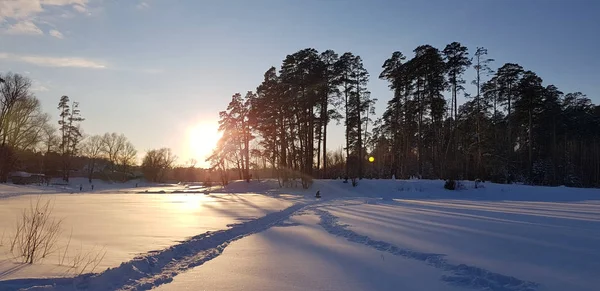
(527, 106)
(429, 70)
(354, 79)
(513, 128)
(508, 77)
(267, 119)
(300, 75)
(235, 125)
(394, 121)
(481, 66)
(457, 62)
(69, 122)
(330, 79)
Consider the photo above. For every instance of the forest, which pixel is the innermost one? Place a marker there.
(514, 128)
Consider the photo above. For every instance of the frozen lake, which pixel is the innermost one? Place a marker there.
(374, 244)
(381, 235)
(126, 225)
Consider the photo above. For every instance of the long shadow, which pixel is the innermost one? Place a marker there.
(222, 209)
(247, 202)
(335, 256)
(237, 199)
(159, 267)
(12, 270)
(437, 230)
(16, 284)
(505, 192)
(459, 275)
(464, 215)
(503, 211)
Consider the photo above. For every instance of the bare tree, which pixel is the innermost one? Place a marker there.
(25, 125)
(50, 141)
(13, 89)
(113, 144)
(92, 148)
(191, 163)
(126, 158)
(156, 163)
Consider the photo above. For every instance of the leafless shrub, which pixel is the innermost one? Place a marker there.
(87, 261)
(36, 232)
(61, 260)
(36, 235)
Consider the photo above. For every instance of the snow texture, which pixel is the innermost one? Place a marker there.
(124, 225)
(303, 256)
(159, 267)
(496, 237)
(461, 275)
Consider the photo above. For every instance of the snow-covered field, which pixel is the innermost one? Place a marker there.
(122, 225)
(381, 235)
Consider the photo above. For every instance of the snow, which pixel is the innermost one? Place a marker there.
(559, 252)
(300, 255)
(381, 235)
(126, 225)
(20, 174)
(59, 186)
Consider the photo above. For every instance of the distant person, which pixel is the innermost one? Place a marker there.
(80, 187)
(92, 187)
(136, 185)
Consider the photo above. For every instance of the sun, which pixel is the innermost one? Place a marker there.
(202, 139)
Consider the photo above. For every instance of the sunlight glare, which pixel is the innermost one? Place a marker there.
(187, 202)
(202, 140)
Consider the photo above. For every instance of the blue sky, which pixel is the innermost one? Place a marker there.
(159, 71)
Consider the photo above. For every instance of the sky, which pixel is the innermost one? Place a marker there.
(159, 71)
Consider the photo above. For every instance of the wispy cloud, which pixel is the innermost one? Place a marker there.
(24, 13)
(58, 62)
(25, 9)
(39, 88)
(80, 8)
(142, 5)
(56, 34)
(23, 27)
(138, 70)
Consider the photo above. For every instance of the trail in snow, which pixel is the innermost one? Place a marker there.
(124, 225)
(460, 274)
(159, 267)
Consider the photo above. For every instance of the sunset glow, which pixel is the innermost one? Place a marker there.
(202, 139)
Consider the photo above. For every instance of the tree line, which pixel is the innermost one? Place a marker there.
(30, 142)
(512, 128)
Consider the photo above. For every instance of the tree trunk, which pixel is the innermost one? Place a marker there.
(325, 148)
(530, 150)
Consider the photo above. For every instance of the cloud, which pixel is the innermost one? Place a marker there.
(19, 9)
(80, 8)
(142, 5)
(58, 62)
(24, 13)
(25, 9)
(23, 27)
(39, 88)
(56, 34)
